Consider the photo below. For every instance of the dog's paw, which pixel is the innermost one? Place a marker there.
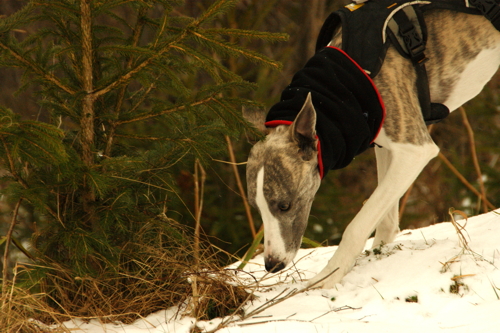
(319, 281)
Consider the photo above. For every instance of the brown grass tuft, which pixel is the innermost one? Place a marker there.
(156, 272)
(21, 307)
(218, 298)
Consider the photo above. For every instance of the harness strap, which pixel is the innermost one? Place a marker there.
(490, 9)
(414, 45)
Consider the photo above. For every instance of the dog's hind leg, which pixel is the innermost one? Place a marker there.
(406, 162)
(388, 227)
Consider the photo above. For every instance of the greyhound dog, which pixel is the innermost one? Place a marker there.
(282, 172)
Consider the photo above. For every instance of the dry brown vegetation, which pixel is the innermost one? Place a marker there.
(164, 277)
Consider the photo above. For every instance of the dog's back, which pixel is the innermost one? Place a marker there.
(463, 52)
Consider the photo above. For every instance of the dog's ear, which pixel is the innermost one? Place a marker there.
(257, 117)
(303, 130)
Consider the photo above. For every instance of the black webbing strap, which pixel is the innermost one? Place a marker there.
(490, 9)
(415, 46)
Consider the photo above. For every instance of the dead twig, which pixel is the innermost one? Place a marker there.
(240, 186)
(464, 181)
(342, 308)
(272, 302)
(474, 156)
(458, 277)
(6, 253)
(198, 206)
(485, 202)
(462, 239)
(226, 162)
(198, 201)
(460, 229)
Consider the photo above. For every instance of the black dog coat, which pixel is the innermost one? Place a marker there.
(349, 109)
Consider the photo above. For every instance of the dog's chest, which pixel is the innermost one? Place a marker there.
(472, 79)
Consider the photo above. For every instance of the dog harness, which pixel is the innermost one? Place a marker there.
(349, 109)
(369, 27)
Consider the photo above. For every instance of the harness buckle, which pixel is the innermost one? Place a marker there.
(414, 44)
(489, 8)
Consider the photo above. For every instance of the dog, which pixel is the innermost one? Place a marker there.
(282, 170)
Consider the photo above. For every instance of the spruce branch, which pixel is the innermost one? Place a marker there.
(143, 137)
(175, 43)
(215, 9)
(135, 40)
(20, 180)
(35, 144)
(102, 7)
(131, 73)
(17, 20)
(251, 34)
(234, 49)
(64, 6)
(27, 63)
(66, 35)
(150, 115)
(208, 64)
(12, 168)
(142, 98)
(160, 33)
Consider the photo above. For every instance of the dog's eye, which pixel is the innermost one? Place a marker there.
(284, 206)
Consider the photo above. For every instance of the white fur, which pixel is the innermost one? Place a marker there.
(474, 77)
(276, 248)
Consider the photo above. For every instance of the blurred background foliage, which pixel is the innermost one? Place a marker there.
(343, 192)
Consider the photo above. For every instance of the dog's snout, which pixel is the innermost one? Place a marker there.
(274, 265)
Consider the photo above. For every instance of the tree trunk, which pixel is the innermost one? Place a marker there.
(87, 118)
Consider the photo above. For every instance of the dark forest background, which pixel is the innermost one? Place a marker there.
(343, 192)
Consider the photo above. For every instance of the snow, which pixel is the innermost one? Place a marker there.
(420, 263)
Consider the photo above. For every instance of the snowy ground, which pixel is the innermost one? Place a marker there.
(373, 296)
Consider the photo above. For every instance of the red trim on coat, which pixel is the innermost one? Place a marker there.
(274, 123)
(374, 87)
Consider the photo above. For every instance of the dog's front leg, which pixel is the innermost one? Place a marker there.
(406, 163)
(388, 227)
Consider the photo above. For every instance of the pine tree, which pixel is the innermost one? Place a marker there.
(127, 99)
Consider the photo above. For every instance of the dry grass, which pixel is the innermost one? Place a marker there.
(19, 309)
(157, 271)
(465, 249)
(462, 238)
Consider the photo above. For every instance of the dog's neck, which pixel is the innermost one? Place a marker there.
(346, 102)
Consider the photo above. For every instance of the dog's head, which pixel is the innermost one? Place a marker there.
(282, 179)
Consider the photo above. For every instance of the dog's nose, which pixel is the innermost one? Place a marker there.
(274, 265)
